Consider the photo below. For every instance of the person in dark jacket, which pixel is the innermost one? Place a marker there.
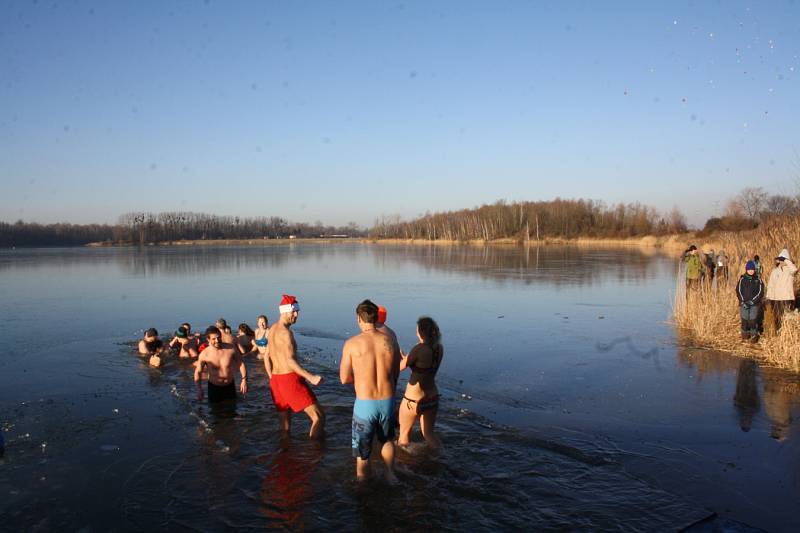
(750, 292)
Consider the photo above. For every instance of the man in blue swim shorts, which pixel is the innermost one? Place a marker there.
(371, 361)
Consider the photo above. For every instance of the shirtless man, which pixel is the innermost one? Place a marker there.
(221, 359)
(188, 345)
(380, 325)
(151, 346)
(286, 376)
(371, 361)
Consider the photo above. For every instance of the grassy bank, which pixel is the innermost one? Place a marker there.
(711, 317)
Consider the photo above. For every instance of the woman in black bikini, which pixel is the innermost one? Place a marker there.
(421, 398)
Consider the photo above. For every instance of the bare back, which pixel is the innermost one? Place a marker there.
(375, 361)
(282, 348)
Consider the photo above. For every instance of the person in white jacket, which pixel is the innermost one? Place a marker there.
(780, 288)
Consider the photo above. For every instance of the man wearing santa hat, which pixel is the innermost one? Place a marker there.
(287, 379)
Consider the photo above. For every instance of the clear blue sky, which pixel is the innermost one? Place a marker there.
(343, 111)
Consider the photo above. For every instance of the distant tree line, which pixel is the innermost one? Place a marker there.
(174, 226)
(32, 234)
(534, 220)
(142, 228)
(749, 208)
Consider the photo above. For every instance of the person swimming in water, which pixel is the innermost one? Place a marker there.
(187, 344)
(287, 379)
(151, 346)
(371, 362)
(421, 398)
(260, 337)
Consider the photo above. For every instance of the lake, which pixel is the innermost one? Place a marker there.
(569, 399)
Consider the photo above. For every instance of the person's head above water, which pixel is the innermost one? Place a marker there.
(213, 335)
(181, 333)
(289, 308)
(221, 323)
(381, 315)
(367, 312)
(428, 330)
(151, 333)
(262, 321)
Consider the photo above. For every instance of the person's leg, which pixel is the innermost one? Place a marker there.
(427, 421)
(362, 469)
(407, 415)
(286, 420)
(317, 416)
(745, 317)
(387, 454)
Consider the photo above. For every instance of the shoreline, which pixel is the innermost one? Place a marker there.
(666, 242)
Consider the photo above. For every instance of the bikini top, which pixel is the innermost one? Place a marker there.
(262, 341)
(437, 359)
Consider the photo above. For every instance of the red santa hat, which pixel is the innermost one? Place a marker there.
(288, 304)
(381, 314)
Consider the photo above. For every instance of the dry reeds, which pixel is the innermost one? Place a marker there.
(710, 315)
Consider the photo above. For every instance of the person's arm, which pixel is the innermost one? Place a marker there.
(242, 372)
(143, 348)
(739, 294)
(346, 366)
(268, 364)
(396, 358)
(411, 359)
(295, 367)
(173, 342)
(790, 267)
(198, 376)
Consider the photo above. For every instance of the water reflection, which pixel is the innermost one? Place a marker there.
(771, 391)
(552, 264)
(746, 399)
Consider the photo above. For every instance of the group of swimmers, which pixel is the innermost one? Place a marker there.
(371, 361)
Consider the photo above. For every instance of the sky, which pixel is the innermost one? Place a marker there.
(347, 111)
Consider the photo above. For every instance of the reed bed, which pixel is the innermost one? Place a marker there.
(710, 315)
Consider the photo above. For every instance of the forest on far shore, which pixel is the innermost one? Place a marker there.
(523, 221)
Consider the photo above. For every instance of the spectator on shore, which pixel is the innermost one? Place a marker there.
(722, 268)
(750, 292)
(708, 267)
(694, 268)
(759, 266)
(780, 288)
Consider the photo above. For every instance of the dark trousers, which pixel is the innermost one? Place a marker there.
(749, 316)
(779, 307)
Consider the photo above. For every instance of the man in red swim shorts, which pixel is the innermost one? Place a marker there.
(287, 379)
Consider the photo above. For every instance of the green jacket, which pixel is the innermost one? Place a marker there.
(693, 266)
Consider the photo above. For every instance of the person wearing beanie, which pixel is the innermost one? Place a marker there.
(694, 268)
(750, 292)
(380, 325)
(186, 342)
(288, 381)
(780, 287)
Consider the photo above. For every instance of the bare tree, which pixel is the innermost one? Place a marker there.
(752, 200)
(779, 204)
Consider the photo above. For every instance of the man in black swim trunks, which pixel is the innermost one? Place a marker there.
(220, 358)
